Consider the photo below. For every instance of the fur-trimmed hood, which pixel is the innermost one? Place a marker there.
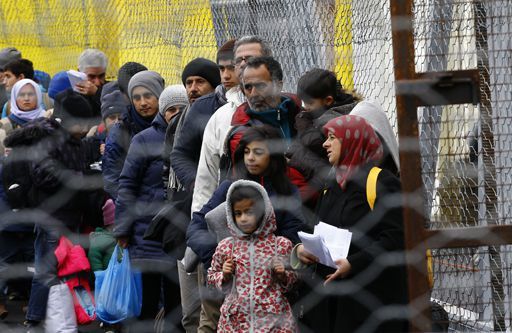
(268, 223)
(33, 132)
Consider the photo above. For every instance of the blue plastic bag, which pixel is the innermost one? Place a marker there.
(118, 290)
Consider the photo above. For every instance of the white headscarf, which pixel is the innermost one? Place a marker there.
(373, 113)
(26, 115)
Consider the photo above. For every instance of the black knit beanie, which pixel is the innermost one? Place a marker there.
(204, 68)
(126, 72)
(72, 107)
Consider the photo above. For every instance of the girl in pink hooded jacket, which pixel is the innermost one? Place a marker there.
(249, 266)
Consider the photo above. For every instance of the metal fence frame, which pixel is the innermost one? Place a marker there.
(444, 88)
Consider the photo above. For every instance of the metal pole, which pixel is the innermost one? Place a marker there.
(487, 159)
(410, 166)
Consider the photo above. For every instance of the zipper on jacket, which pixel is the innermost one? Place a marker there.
(251, 291)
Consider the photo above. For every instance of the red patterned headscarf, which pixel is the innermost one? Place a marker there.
(359, 145)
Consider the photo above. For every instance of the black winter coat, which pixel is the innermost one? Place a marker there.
(377, 237)
(187, 149)
(57, 171)
(306, 154)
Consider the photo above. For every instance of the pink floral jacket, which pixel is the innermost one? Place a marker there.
(255, 300)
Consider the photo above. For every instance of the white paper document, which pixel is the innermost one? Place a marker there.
(76, 77)
(327, 243)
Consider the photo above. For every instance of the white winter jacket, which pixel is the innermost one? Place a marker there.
(212, 149)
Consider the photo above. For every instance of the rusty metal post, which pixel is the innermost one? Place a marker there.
(410, 165)
(488, 158)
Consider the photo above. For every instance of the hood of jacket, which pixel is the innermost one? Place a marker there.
(235, 96)
(32, 132)
(71, 258)
(268, 223)
(159, 122)
(373, 113)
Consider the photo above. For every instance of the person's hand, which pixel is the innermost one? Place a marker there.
(304, 256)
(278, 269)
(122, 242)
(227, 269)
(102, 149)
(344, 268)
(86, 88)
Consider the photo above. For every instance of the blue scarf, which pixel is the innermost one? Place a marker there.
(276, 117)
(17, 120)
(141, 123)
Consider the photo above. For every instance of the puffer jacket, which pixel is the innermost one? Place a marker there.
(141, 191)
(255, 300)
(116, 148)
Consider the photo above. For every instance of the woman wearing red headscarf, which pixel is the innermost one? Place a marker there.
(368, 291)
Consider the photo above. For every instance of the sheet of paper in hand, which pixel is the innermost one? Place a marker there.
(327, 243)
(76, 77)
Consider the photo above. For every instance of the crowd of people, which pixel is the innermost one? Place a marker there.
(207, 182)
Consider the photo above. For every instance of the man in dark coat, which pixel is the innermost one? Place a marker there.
(140, 197)
(138, 118)
(185, 154)
(200, 77)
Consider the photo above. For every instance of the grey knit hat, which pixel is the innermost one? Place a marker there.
(171, 96)
(7, 55)
(149, 80)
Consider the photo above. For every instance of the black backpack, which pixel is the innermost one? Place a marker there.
(16, 180)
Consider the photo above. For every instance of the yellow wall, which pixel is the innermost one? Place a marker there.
(343, 43)
(163, 35)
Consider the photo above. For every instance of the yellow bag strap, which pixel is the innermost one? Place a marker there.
(430, 269)
(371, 186)
(371, 195)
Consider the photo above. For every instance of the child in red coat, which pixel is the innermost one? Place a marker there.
(249, 266)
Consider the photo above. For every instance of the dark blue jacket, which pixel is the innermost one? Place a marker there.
(116, 148)
(289, 221)
(186, 151)
(141, 191)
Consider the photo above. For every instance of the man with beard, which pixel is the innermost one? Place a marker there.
(207, 178)
(200, 77)
(185, 153)
(262, 81)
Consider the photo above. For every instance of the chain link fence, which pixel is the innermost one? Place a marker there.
(466, 150)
